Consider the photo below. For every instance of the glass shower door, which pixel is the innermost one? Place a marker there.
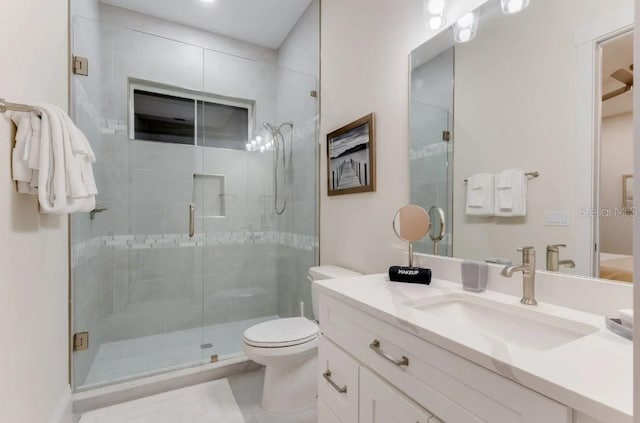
(430, 154)
(189, 251)
(257, 260)
(137, 272)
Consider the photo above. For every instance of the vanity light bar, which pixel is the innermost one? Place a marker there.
(531, 175)
(466, 28)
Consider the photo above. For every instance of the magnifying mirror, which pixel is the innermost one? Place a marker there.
(436, 215)
(411, 224)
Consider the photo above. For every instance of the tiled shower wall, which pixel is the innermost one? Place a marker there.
(136, 273)
(300, 53)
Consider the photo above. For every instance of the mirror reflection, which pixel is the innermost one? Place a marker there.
(523, 151)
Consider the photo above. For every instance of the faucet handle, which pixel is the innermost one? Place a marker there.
(556, 247)
(528, 254)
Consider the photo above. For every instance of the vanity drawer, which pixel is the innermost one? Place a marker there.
(338, 387)
(451, 387)
(380, 403)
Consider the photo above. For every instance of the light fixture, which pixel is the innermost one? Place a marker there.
(510, 7)
(262, 141)
(434, 14)
(466, 27)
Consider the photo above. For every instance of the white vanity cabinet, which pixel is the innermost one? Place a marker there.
(379, 373)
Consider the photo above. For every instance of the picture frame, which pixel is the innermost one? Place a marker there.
(351, 158)
(627, 194)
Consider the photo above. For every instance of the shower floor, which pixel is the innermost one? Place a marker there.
(133, 358)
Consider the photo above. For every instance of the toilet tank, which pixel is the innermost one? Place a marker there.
(319, 273)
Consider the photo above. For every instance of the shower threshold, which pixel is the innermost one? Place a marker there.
(131, 359)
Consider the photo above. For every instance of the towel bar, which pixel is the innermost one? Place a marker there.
(531, 175)
(15, 107)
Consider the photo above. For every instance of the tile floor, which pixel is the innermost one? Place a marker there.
(204, 403)
(247, 391)
(133, 358)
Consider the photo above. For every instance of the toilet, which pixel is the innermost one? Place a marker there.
(288, 348)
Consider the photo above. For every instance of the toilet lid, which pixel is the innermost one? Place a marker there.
(281, 333)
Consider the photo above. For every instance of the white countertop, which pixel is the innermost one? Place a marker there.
(593, 374)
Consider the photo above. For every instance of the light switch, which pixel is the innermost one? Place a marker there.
(557, 218)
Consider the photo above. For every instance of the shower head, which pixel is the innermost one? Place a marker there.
(269, 127)
(289, 124)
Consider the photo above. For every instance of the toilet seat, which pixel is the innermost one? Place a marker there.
(281, 333)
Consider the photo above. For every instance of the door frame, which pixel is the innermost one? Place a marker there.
(587, 41)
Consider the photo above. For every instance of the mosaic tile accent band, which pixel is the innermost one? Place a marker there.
(84, 251)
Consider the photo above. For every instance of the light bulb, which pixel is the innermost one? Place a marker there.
(464, 35)
(262, 149)
(466, 27)
(253, 143)
(433, 11)
(510, 7)
(248, 146)
(466, 21)
(436, 22)
(259, 138)
(435, 7)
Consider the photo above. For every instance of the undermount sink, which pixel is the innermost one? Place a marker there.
(514, 325)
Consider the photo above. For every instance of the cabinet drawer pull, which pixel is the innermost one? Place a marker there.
(327, 377)
(375, 346)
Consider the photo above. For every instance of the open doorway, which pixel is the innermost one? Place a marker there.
(614, 253)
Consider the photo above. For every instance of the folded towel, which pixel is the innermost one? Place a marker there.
(511, 193)
(504, 185)
(52, 158)
(480, 194)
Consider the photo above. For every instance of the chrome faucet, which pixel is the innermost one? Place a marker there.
(528, 269)
(553, 258)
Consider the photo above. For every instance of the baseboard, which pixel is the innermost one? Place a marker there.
(64, 409)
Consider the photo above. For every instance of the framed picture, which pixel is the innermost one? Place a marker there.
(627, 194)
(351, 157)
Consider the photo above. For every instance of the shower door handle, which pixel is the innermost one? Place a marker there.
(192, 220)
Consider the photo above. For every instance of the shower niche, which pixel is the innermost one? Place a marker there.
(171, 111)
(209, 196)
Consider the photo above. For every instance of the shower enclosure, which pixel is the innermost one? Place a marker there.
(186, 249)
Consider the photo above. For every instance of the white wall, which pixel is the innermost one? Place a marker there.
(299, 51)
(33, 250)
(365, 68)
(616, 159)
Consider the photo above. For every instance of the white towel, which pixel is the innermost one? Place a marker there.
(480, 195)
(511, 193)
(20, 170)
(52, 158)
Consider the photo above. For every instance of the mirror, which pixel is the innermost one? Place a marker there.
(411, 224)
(503, 133)
(438, 227)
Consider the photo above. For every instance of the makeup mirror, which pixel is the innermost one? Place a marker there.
(411, 224)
